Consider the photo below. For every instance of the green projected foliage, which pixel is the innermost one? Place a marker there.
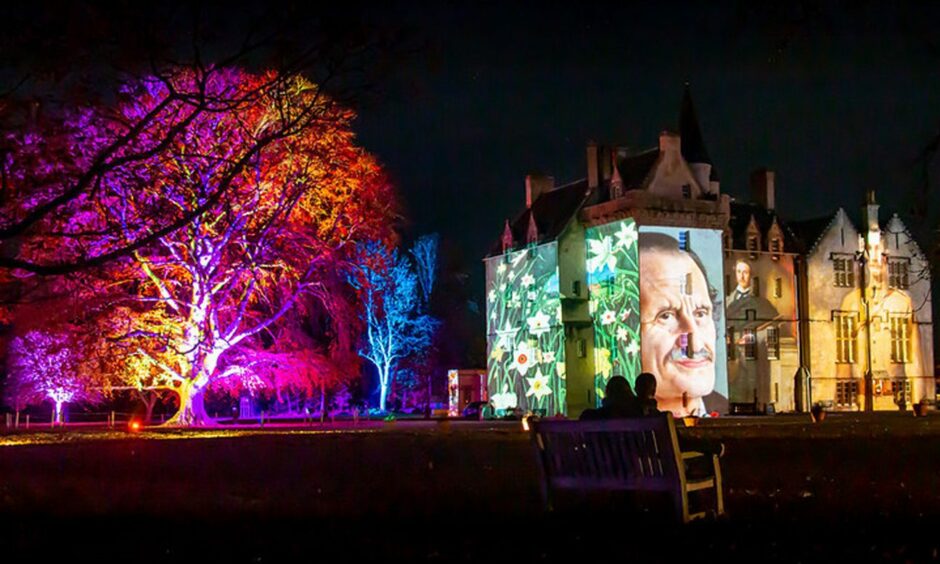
(525, 336)
(613, 282)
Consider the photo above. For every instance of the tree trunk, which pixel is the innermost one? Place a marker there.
(192, 409)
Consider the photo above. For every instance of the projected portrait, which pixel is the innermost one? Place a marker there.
(681, 320)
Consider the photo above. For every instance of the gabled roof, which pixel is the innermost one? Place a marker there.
(635, 169)
(741, 215)
(808, 232)
(552, 211)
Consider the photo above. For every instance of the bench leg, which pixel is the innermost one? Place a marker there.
(719, 496)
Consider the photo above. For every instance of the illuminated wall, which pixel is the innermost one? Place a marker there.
(613, 285)
(525, 335)
(838, 364)
(682, 322)
(761, 328)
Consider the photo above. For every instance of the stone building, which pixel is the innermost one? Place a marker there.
(644, 265)
(867, 317)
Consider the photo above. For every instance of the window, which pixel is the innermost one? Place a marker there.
(750, 344)
(899, 273)
(847, 393)
(902, 391)
(683, 240)
(687, 191)
(576, 287)
(773, 343)
(775, 245)
(844, 272)
(755, 286)
(752, 243)
(845, 336)
(900, 339)
(731, 345)
(778, 288)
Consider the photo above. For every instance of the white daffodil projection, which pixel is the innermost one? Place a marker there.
(603, 254)
(506, 335)
(548, 357)
(538, 386)
(633, 348)
(608, 317)
(621, 334)
(627, 235)
(491, 296)
(523, 358)
(504, 400)
(538, 324)
(527, 280)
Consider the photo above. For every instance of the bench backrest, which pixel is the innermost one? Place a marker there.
(615, 454)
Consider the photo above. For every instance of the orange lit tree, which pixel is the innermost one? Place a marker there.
(270, 227)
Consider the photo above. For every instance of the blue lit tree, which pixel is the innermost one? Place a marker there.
(395, 326)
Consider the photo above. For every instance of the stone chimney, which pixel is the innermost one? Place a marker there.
(670, 143)
(762, 188)
(592, 171)
(535, 186)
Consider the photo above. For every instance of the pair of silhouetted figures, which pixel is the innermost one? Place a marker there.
(620, 402)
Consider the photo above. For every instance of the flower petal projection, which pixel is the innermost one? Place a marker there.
(527, 280)
(504, 400)
(538, 323)
(626, 236)
(538, 386)
(633, 348)
(603, 252)
(506, 335)
(608, 317)
(523, 358)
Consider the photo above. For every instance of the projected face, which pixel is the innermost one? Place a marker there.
(677, 329)
(742, 272)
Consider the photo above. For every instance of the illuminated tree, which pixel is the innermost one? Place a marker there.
(265, 233)
(390, 297)
(46, 366)
(54, 159)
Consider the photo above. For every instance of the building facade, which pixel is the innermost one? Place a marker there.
(644, 265)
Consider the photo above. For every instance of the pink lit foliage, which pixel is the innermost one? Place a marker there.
(271, 226)
(45, 366)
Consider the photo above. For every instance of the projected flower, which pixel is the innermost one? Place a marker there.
(538, 386)
(613, 287)
(525, 329)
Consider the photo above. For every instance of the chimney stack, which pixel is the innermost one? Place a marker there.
(592, 172)
(669, 142)
(763, 189)
(871, 212)
(535, 186)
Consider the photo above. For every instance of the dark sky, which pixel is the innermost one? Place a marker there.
(837, 98)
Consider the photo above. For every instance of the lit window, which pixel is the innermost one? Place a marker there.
(899, 273)
(847, 393)
(845, 336)
(683, 240)
(775, 245)
(773, 343)
(900, 339)
(687, 191)
(750, 344)
(752, 243)
(844, 272)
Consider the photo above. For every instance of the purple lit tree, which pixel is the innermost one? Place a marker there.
(46, 366)
(395, 326)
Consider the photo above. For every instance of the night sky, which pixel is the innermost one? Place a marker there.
(836, 99)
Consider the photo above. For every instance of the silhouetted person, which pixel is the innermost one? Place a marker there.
(619, 401)
(645, 403)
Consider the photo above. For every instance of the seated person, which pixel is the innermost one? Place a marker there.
(646, 405)
(618, 401)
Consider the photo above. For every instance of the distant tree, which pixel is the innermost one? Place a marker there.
(48, 366)
(394, 326)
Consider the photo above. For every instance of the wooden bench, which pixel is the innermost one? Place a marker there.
(639, 454)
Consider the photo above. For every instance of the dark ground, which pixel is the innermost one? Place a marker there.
(853, 487)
